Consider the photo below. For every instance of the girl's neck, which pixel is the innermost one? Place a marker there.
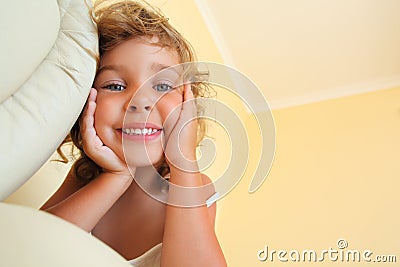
(147, 180)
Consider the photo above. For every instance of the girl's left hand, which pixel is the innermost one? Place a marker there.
(181, 134)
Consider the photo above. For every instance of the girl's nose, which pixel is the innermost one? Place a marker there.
(141, 102)
(139, 108)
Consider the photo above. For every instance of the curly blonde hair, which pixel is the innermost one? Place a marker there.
(118, 21)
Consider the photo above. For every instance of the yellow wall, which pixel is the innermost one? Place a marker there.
(335, 175)
(42, 185)
(185, 16)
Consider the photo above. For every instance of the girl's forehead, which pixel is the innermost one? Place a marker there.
(137, 56)
(139, 48)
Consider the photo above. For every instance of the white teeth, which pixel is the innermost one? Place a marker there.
(137, 131)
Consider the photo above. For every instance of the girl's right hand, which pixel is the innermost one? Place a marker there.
(94, 147)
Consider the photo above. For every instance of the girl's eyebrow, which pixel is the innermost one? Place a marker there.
(109, 67)
(158, 67)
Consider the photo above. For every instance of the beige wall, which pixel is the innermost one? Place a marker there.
(42, 185)
(335, 175)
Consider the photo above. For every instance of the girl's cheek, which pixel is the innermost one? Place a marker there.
(168, 103)
(107, 109)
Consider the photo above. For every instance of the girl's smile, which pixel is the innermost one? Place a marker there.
(141, 131)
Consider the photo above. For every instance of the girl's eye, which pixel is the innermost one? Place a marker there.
(162, 87)
(114, 87)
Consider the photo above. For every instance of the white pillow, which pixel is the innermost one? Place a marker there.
(47, 65)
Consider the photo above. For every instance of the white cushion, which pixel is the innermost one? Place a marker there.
(30, 29)
(44, 97)
(36, 238)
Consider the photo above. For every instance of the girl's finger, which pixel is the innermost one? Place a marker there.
(88, 131)
(187, 92)
(92, 94)
(88, 120)
(91, 98)
(188, 105)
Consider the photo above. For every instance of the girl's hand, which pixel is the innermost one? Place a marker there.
(94, 147)
(181, 134)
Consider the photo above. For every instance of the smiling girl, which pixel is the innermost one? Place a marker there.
(137, 125)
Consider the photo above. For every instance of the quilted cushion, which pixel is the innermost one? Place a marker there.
(47, 65)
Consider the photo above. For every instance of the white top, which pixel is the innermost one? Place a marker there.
(151, 258)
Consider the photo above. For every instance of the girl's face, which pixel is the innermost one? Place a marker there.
(130, 106)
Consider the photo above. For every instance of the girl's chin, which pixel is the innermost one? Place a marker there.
(143, 162)
(142, 157)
